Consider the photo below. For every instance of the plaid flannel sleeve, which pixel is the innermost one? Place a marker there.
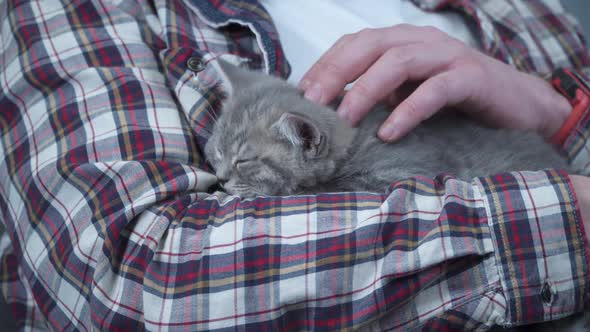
(108, 227)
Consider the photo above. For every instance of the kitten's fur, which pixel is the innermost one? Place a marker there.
(270, 140)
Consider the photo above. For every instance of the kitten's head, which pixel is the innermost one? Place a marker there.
(270, 140)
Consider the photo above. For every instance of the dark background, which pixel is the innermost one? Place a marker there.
(580, 9)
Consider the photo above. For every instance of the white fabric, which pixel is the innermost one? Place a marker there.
(307, 28)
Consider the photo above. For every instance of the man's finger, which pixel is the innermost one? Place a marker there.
(353, 54)
(397, 66)
(430, 97)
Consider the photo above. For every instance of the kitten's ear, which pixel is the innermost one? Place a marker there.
(301, 132)
(234, 78)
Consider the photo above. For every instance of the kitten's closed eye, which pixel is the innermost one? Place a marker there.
(242, 163)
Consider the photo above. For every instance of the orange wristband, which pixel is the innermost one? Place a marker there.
(577, 93)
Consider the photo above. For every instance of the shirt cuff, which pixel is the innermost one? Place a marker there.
(539, 244)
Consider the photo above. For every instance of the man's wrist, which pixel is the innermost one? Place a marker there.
(558, 110)
(576, 91)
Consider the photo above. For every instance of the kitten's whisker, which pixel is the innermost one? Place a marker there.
(300, 192)
(212, 115)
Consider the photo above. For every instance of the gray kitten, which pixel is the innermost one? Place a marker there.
(269, 140)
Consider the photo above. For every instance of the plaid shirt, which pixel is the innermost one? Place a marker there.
(108, 226)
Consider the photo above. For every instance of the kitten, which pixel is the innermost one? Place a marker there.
(269, 140)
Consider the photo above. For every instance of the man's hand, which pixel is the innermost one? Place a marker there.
(384, 62)
(581, 186)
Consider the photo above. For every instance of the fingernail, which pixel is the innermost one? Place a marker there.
(314, 93)
(304, 84)
(388, 132)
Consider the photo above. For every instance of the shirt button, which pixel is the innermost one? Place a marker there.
(195, 64)
(547, 294)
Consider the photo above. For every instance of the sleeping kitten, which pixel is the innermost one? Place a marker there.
(269, 140)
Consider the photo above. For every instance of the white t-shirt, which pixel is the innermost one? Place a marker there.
(307, 28)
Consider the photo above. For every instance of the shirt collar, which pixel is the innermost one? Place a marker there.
(251, 15)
